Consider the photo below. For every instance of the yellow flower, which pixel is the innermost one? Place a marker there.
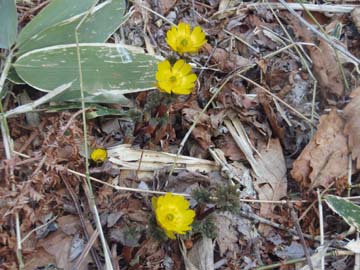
(178, 79)
(173, 214)
(182, 40)
(99, 155)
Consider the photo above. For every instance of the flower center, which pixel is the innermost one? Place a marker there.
(170, 217)
(172, 78)
(184, 42)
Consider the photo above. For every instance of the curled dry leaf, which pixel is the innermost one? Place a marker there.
(352, 125)
(325, 158)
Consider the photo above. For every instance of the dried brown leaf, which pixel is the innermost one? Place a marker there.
(325, 65)
(271, 182)
(227, 61)
(355, 15)
(275, 124)
(352, 125)
(325, 158)
(227, 236)
(58, 244)
(202, 132)
(166, 5)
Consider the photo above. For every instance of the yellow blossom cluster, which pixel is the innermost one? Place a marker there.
(179, 78)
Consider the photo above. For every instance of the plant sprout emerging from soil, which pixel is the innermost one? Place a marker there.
(173, 214)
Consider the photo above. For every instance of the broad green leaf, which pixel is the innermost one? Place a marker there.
(57, 11)
(97, 27)
(13, 77)
(349, 211)
(8, 23)
(109, 70)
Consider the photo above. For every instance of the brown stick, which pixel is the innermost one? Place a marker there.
(82, 221)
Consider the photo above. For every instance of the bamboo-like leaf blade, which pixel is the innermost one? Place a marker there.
(8, 23)
(349, 211)
(108, 70)
(97, 27)
(55, 12)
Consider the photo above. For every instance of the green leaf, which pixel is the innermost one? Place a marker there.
(109, 70)
(97, 111)
(130, 115)
(55, 12)
(347, 210)
(8, 23)
(97, 27)
(13, 77)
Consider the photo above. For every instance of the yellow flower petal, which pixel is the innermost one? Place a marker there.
(99, 155)
(173, 214)
(183, 29)
(178, 79)
(182, 39)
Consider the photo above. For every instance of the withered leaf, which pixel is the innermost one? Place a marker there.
(325, 65)
(227, 236)
(352, 125)
(271, 182)
(325, 158)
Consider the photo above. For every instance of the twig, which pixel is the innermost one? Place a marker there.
(108, 263)
(335, 51)
(242, 40)
(298, 49)
(38, 228)
(329, 254)
(31, 106)
(273, 224)
(87, 248)
(59, 167)
(321, 35)
(314, 202)
(310, 7)
(82, 221)
(9, 155)
(153, 12)
(277, 98)
(301, 235)
(72, 118)
(196, 120)
(321, 223)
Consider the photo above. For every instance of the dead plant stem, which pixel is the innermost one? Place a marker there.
(301, 235)
(277, 98)
(335, 51)
(280, 264)
(321, 224)
(38, 228)
(321, 35)
(108, 262)
(9, 154)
